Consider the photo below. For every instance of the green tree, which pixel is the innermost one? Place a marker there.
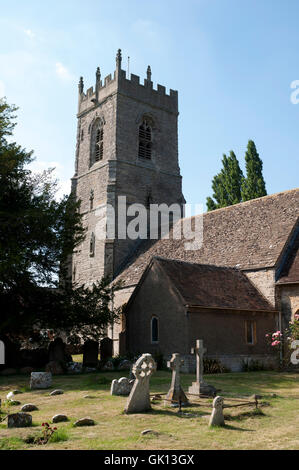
(253, 185)
(37, 236)
(227, 184)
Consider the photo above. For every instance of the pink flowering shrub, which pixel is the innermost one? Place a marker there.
(281, 341)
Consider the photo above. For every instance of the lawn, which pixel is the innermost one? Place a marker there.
(275, 427)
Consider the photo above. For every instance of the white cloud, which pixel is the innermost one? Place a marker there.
(2, 89)
(62, 72)
(29, 33)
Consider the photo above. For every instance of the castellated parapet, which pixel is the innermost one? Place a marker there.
(109, 163)
(131, 88)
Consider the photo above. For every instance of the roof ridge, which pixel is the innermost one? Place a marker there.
(268, 196)
(171, 260)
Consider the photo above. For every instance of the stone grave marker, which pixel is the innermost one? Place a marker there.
(217, 418)
(57, 351)
(200, 387)
(106, 349)
(19, 420)
(90, 353)
(40, 380)
(176, 393)
(139, 398)
(122, 387)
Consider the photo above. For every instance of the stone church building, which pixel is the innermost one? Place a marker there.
(242, 283)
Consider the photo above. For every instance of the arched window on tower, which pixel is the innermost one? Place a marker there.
(145, 140)
(154, 330)
(97, 142)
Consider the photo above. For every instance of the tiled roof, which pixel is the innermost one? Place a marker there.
(213, 286)
(249, 235)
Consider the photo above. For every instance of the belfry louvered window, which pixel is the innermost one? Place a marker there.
(99, 144)
(145, 140)
(96, 141)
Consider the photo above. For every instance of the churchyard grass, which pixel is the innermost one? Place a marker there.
(274, 426)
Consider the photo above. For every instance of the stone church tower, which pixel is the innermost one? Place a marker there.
(127, 145)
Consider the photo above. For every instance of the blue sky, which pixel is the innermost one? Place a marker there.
(232, 62)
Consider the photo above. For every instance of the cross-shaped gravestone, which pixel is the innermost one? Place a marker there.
(176, 393)
(199, 350)
(200, 387)
(139, 398)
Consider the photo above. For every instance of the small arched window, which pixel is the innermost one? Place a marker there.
(92, 245)
(97, 142)
(145, 140)
(155, 330)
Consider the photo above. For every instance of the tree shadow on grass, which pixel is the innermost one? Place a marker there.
(256, 413)
(184, 414)
(229, 427)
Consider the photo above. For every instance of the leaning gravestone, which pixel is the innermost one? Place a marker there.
(40, 380)
(176, 393)
(106, 349)
(217, 418)
(90, 353)
(122, 387)
(19, 420)
(139, 398)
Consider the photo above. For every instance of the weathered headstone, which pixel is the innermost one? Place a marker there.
(84, 422)
(176, 393)
(90, 353)
(57, 351)
(200, 387)
(29, 407)
(19, 420)
(122, 387)
(59, 418)
(139, 398)
(217, 418)
(40, 380)
(106, 349)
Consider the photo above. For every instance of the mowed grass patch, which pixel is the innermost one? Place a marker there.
(274, 427)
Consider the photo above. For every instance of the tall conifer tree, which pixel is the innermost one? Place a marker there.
(227, 184)
(253, 185)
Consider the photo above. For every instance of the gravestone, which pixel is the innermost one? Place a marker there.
(57, 351)
(122, 387)
(139, 398)
(217, 418)
(106, 349)
(19, 420)
(12, 354)
(200, 387)
(90, 353)
(40, 380)
(176, 393)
